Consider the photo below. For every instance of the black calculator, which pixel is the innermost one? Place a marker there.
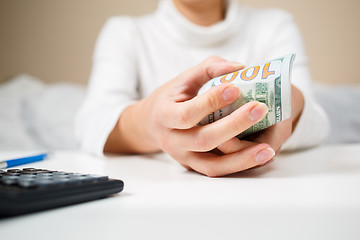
(30, 189)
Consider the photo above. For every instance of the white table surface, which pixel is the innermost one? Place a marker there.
(312, 194)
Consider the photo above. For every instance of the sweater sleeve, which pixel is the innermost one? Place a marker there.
(313, 125)
(112, 86)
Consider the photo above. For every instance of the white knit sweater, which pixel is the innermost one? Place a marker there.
(135, 55)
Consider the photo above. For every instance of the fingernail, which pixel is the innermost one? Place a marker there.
(238, 65)
(265, 155)
(258, 112)
(230, 93)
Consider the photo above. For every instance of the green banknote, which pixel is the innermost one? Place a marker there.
(269, 83)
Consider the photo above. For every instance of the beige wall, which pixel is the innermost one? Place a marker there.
(54, 39)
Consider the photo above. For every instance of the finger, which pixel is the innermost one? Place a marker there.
(187, 114)
(208, 137)
(208, 69)
(275, 135)
(258, 166)
(235, 145)
(215, 166)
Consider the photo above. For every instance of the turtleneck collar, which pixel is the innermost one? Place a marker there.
(187, 32)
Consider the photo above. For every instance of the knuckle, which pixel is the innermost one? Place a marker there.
(211, 61)
(184, 117)
(213, 58)
(212, 102)
(237, 123)
(201, 143)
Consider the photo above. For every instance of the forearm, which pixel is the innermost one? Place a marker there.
(297, 105)
(131, 134)
(311, 127)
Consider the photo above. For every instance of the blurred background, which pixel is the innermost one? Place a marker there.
(45, 62)
(54, 40)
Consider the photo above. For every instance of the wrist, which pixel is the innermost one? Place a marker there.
(130, 134)
(134, 122)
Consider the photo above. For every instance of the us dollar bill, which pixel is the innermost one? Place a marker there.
(269, 83)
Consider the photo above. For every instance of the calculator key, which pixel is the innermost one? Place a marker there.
(77, 177)
(29, 169)
(11, 174)
(43, 182)
(14, 170)
(61, 181)
(32, 169)
(28, 173)
(61, 178)
(27, 176)
(99, 177)
(88, 178)
(75, 174)
(45, 174)
(60, 173)
(26, 182)
(45, 171)
(37, 171)
(39, 177)
(9, 179)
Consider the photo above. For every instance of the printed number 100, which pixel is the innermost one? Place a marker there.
(244, 74)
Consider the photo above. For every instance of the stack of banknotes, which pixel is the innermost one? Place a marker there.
(269, 83)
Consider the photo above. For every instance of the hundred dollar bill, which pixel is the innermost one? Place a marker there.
(268, 83)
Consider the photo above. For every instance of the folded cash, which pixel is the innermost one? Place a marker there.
(268, 83)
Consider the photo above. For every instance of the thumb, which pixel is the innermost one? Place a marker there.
(210, 68)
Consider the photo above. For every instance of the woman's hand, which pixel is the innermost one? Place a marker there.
(168, 119)
(275, 135)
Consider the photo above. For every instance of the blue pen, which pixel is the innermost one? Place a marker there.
(19, 161)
